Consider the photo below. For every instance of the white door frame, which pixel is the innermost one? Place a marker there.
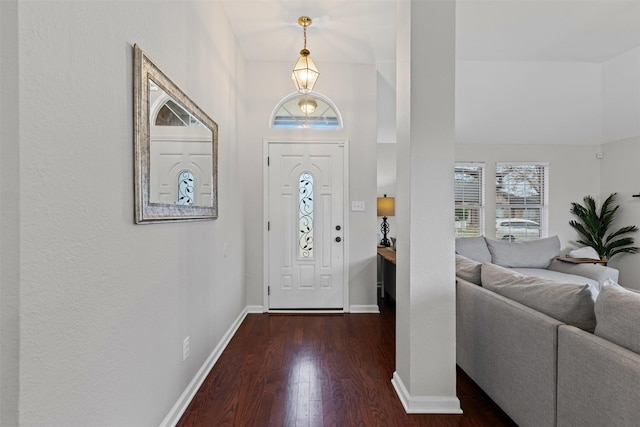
(265, 217)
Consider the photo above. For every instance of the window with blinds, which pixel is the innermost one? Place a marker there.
(469, 199)
(522, 199)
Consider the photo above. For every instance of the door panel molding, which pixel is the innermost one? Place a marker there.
(345, 225)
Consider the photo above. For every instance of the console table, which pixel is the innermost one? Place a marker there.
(387, 258)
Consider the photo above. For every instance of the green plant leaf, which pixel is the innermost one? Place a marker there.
(593, 226)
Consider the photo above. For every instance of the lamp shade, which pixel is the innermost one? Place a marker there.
(307, 105)
(386, 206)
(304, 73)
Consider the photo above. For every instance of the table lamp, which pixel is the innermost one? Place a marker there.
(386, 208)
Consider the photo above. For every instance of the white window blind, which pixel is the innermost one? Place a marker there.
(522, 199)
(469, 199)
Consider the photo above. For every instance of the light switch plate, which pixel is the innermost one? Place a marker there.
(357, 205)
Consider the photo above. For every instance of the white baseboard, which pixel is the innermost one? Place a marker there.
(253, 309)
(425, 404)
(352, 309)
(306, 311)
(364, 309)
(181, 405)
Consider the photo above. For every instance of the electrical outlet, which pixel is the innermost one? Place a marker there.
(185, 349)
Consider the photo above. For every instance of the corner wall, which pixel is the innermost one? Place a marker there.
(621, 175)
(425, 375)
(621, 93)
(9, 215)
(105, 304)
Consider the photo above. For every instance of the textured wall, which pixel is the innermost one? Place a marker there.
(105, 304)
(9, 214)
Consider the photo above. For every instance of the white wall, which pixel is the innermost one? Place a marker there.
(621, 89)
(9, 214)
(553, 112)
(105, 304)
(386, 104)
(621, 175)
(425, 376)
(353, 89)
(528, 102)
(574, 172)
(620, 172)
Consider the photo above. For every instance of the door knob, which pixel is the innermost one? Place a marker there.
(338, 239)
(338, 227)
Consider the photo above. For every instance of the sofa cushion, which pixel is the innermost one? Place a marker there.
(544, 273)
(529, 253)
(596, 272)
(468, 269)
(570, 303)
(474, 248)
(618, 316)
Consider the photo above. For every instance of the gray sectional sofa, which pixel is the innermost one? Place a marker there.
(552, 343)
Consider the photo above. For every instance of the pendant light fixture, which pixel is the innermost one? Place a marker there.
(304, 73)
(307, 105)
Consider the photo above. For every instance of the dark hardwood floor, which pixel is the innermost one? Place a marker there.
(286, 370)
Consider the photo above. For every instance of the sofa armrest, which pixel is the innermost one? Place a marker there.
(596, 272)
(510, 351)
(597, 381)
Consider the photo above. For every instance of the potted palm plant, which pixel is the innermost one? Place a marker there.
(593, 227)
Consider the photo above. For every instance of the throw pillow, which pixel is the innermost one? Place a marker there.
(529, 253)
(568, 302)
(618, 316)
(585, 252)
(474, 248)
(468, 269)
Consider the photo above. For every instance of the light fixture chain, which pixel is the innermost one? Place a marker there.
(304, 73)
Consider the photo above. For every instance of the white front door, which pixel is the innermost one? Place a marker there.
(306, 226)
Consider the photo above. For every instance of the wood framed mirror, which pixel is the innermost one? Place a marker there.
(176, 150)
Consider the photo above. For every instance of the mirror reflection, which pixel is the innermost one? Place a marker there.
(181, 170)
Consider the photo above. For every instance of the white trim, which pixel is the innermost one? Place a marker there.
(265, 221)
(314, 94)
(364, 309)
(256, 309)
(265, 213)
(347, 229)
(424, 404)
(184, 400)
(336, 311)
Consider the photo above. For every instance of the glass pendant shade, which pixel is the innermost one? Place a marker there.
(304, 73)
(307, 106)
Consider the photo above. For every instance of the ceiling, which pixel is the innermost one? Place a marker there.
(364, 31)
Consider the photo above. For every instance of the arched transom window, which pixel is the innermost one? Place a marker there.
(306, 111)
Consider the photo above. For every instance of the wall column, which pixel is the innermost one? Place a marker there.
(9, 214)
(425, 376)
